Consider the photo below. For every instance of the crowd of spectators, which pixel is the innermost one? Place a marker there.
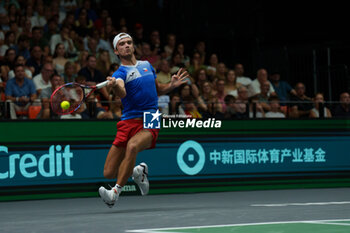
(44, 44)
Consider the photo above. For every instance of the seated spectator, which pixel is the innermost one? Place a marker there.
(220, 72)
(83, 24)
(200, 77)
(69, 74)
(45, 95)
(190, 108)
(63, 37)
(343, 109)
(239, 70)
(213, 64)
(231, 84)
(240, 105)
(113, 68)
(10, 41)
(42, 80)
(300, 103)
(196, 64)
(147, 55)
(103, 62)
(263, 96)
(169, 48)
(230, 108)
(21, 61)
(254, 87)
(180, 48)
(82, 60)
(176, 63)
(115, 107)
(282, 88)
(214, 108)
(20, 92)
(59, 58)
(22, 46)
(174, 107)
(316, 111)
(35, 62)
(275, 108)
(94, 76)
(8, 63)
(256, 109)
(221, 93)
(164, 75)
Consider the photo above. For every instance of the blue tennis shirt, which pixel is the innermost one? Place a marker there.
(141, 93)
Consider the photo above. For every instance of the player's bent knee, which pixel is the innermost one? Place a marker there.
(132, 147)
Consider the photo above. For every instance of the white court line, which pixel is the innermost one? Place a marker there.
(331, 223)
(162, 230)
(303, 204)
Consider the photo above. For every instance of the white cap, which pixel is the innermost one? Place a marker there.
(118, 37)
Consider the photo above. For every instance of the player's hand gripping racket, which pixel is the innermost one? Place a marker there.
(69, 97)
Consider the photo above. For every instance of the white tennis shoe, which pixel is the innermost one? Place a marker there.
(139, 175)
(108, 196)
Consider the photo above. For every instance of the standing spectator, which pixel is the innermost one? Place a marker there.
(261, 77)
(282, 88)
(300, 103)
(35, 62)
(63, 37)
(20, 92)
(275, 108)
(42, 80)
(245, 81)
(59, 59)
(316, 111)
(343, 109)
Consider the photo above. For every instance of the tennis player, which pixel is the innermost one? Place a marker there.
(135, 83)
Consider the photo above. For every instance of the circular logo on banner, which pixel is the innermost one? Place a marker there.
(190, 144)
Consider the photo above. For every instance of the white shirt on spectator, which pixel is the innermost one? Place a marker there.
(274, 115)
(254, 88)
(55, 39)
(245, 81)
(40, 82)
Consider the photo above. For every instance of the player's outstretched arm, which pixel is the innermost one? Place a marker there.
(119, 85)
(176, 80)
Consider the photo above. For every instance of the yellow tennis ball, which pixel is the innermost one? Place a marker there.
(65, 104)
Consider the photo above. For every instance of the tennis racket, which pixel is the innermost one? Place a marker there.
(74, 93)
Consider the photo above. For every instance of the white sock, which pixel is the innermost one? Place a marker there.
(119, 188)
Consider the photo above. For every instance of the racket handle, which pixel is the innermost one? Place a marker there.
(103, 84)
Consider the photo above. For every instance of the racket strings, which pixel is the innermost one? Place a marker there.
(72, 93)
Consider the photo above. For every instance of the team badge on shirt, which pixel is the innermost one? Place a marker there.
(145, 69)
